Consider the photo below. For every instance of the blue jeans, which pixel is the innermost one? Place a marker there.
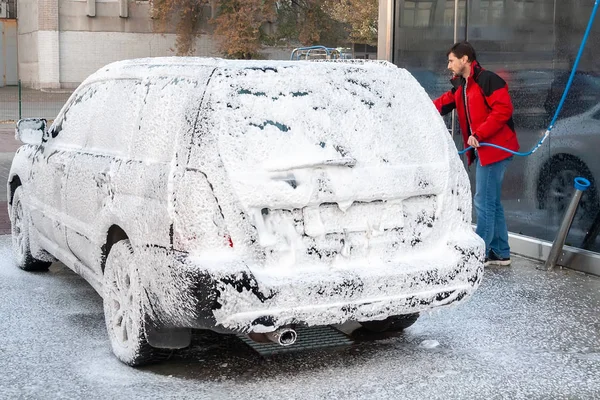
(491, 224)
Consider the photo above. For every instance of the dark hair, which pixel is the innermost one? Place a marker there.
(462, 49)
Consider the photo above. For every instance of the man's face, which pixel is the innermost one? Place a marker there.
(458, 66)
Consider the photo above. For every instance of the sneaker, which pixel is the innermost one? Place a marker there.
(494, 259)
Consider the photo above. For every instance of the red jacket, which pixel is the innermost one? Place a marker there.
(487, 115)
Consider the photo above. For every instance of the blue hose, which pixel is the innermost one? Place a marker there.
(562, 100)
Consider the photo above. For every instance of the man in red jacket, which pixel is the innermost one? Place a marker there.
(484, 110)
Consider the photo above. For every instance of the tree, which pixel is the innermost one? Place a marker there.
(360, 16)
(238, 26)
(187, 14)
(238, 23)
(308, 22)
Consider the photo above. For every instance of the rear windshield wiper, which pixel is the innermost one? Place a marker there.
(335, 162)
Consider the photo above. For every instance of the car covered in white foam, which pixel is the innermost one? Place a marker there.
(247, 197)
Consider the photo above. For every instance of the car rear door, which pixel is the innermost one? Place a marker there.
(90, 190)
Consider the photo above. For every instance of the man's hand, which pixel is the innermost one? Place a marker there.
(473, 142)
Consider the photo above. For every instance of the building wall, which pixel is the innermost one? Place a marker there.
(107, 17)
(60, 45)
(82, 53)
(27, 29)
(28, 58)
(48, 15)
(48, 44)
(8, 52)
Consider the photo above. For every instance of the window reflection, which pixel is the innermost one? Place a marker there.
(417, 13)
(449, 13)
(491, 12)
(532, 45)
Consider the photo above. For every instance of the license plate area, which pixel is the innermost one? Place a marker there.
(376, 216)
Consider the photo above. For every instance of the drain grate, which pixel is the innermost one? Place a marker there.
(309, 338)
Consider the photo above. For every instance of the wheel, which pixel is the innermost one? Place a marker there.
(396, 323)
(123, 309)
(556, 189)
(20, 236)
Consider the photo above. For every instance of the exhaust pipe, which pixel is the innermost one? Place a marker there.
(283, 336)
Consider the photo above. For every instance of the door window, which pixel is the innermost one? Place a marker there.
(170, 106)
(115, 117)
(70, 128)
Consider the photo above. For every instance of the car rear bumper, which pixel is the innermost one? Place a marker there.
(227, 296)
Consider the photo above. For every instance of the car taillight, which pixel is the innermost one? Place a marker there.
(198, 221)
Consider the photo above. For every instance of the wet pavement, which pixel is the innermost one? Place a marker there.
(526, 334)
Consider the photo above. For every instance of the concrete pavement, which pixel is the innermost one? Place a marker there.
(525, 334)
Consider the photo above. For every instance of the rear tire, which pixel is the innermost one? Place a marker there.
(395, 323)
(123, 308)
(19, 218)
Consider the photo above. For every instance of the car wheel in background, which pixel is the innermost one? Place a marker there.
(556, 188)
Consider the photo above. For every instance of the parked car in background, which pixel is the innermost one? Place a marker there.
(569, 153)
(536, 95)
(247, 197)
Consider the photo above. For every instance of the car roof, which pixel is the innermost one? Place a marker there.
(141, 68)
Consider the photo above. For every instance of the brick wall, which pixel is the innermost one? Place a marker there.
(48, 59)
(48, 15)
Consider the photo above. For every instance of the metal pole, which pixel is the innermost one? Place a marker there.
(455, 21)
(392, 22)
(581, 184)
(452, 130)
(466, 19)
(20, 100)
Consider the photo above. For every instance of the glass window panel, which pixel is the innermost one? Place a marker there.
(461, 13)
(523, 43)
(423, 17)
(497, 10)
(408, 18)
(449, 17)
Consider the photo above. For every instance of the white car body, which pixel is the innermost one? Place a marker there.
(255, 194)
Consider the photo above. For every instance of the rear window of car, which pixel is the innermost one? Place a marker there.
(274, 117)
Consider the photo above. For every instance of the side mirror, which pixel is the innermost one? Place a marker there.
(30, 130)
